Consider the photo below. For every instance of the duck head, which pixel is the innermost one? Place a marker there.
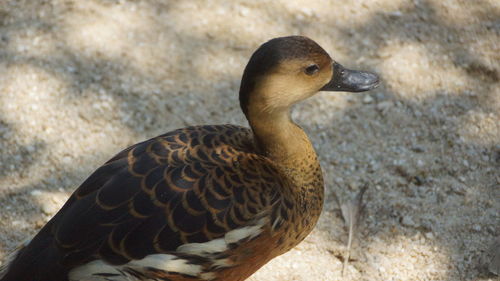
(287, 70)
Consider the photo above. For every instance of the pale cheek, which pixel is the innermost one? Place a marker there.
(327, 77)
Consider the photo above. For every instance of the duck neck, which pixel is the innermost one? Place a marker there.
(289, 148)
(286, 144)
(277, 136)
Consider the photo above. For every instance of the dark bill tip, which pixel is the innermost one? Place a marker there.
(347, 80)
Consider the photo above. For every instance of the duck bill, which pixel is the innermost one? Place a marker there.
(346, 80)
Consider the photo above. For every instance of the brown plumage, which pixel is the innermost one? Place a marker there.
(203, 202)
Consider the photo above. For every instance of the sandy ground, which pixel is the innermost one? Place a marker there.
(80, 80)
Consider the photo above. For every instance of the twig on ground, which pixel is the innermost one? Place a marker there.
(351, 212)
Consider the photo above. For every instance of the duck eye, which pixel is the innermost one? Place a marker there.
(312, 69)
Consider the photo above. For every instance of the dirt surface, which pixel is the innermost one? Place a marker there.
(80, 80)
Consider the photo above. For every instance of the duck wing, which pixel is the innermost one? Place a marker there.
(178, 195)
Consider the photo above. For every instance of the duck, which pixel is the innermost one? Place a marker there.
(209, 202)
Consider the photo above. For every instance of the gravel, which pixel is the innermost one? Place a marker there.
(80, 80)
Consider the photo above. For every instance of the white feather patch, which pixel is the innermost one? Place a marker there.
(208, 276)
(86, 272)
(170, 263)
(249, 232)
(220, 263)
(221, 244)
(276, 222)
(167, 263)
(202, 249)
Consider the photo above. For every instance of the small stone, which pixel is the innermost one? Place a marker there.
(429, 235)
(20, 224)
(459, 189)
(367, 99)
(35, 192)
(353, 185)
(244, 11)
(307, 12)
(49, 208)
(407, 221)
(418, 148)
(476, 228)
(384, 106)
(491, 230)
(66, 159)
(494, 263)
(39, 223)
(395, 14)
(418, 180)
